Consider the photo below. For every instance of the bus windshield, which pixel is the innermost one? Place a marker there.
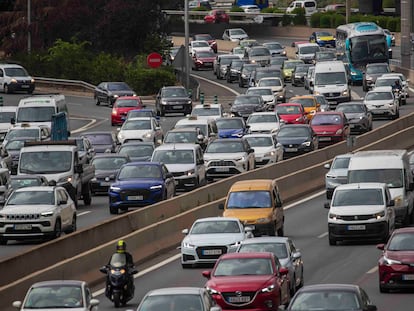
(368, 49)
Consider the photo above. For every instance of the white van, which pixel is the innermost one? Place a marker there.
(391, 167)
(306, 52)
(39, 109)
(331, 80)
(308, 5)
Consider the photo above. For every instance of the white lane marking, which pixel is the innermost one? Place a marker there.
(355, 95)
(83, 213)
(373, 270)
(304, 200)
(145, 271)
(322, 235)
(93, 122)
(218, 84)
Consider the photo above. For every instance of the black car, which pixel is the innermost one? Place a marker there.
(108, 92)
(102, 141)
(297, 139)
(299, 73)
(262, 72)
(245, 73)
(137, 151)
(234, 68)
(13, 147)
(85, 149)
(244, 105)
(172, 99)
(106, 167)
(358, 115)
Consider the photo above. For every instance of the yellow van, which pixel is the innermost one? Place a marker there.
(257, 204)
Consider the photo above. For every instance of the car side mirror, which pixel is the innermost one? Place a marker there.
(381, 246)
(185, 231)
(104, 269)
(78, 169)
(63, 202)
(391, 203)
(169, 175)
(12, 121)
(327, 205)
(327, 166)
(221, 206)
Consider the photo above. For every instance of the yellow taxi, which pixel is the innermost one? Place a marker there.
(309, 103)
(287, 68)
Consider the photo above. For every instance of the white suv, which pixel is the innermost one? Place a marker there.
(37, 212)
(360, 211)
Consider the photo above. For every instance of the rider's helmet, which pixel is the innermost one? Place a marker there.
(121, 246)
(397, 82)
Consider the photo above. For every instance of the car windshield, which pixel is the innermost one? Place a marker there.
(249, 199)
(5, 116)
(270, 82)
(351, 108)
(118, 87)
(238, 50)
(174, 92)
(326, 300)
(46, 162)
(99, 139)
(226, 60)
(301, 69)
(306, 102)
(120, 103)
(199, 44)
(136, 150)
(31, 198)
(326, 119)
(140, 113)
(225, 147)
(174, 156)
(108, 163)
(172, 302)
(342, 162)
(293, 131)
(203, 37)
(211, 227)
(394, 178)
(16, 72)
(259, 92)
(35, 114)
(329, 78)
(17, 183)
(279, 249)
(17, 133)
(402, 242)
(260, 141)
(237, 32)
(323, 34)
(139, 171)
(230, 123)
(205, 54)
(379, 96)
(308, 49)
(15, 144)
(181, 137)
(277, 61)
(203, 127)
(53, 297)
(377, 69)
(386, 82)
(205, 112)
(262, 118)
(259, 52)
(347, 197)
(325, 55)
(266, 73)
(131, 125)
(274, 46)
(243, 266)
(247, 100)
(290, 65)
(288, 109)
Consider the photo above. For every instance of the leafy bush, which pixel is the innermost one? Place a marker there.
(394, 24)
(325, 21)
(286, 20)
(338, 19)
(315, 20)
(300, 18)
(236, 9)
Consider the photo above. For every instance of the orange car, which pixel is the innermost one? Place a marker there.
(308, 102)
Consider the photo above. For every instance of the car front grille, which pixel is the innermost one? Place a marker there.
(327, 95)
(357, 217)
(22, 216)
(136, 192)
(201, 252)
(238, 298)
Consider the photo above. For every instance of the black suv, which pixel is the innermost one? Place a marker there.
(172, 99)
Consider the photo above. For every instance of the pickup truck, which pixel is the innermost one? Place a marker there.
(59, 162)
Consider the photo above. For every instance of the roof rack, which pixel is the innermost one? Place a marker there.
(50, 143)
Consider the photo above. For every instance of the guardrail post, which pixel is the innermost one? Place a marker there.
(202, 98)
(215, 99)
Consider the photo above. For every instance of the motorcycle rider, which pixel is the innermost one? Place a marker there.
(129, 264)
(397, 87)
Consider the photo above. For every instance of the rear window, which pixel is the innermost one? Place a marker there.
(310, 4)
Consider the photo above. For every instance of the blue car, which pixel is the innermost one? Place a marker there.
(234, 127)
(140, 184)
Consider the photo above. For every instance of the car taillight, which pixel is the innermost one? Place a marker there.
(114, 112)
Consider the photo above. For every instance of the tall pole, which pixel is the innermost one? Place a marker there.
(186, 44)
(348, 10)
(405, 33)
(29, 21)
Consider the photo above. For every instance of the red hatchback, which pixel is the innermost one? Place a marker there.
(396, 265)
(254, 281)
(203, 59)
(291, 113)
(330, 127)
(121, 107)
(217, 16)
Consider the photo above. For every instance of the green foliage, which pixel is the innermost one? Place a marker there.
(200, 8)
(388, 3)
(286, 20)
(300, 18)
(338, 19)
(315, 20)
(106, 67)
(394, 24)
(236, 8)
(325, 21)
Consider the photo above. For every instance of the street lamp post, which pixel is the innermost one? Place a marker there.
(186, 43)
(29, 21)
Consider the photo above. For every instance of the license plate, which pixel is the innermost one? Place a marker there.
(291, 149)
(135, 198)
(178, 107)
(24, 86)
(212, 252)
(105, 183)
(23, 227)
(239, 299)
(408, 277)
(324, 138)
(208, 64)
(356, 227)
(352, 126)
(222, 169)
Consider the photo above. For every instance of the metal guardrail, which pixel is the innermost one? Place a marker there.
(76, 85)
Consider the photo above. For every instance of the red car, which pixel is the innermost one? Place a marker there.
(121, 107)
(254, 281)
(203, 59)
(330, 127)
(207, 37)
(217, 16)
(396, 265)
(292, 113)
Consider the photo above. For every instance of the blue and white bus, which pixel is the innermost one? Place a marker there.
(360, 44)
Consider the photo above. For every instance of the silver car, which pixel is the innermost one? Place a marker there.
(266, 148)
(285, 250)
(337, 174)
(209, 238)
(381, 102)
(141, 129)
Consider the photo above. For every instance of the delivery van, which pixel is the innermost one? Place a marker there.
(308, 5)
(257, 204)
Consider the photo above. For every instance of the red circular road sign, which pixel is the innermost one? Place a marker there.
(154, 60)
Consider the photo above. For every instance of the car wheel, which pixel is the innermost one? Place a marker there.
(292, 289)
(383, 289)
(87, 195)
(162, 112)
(98, 103)
(73, 225)
(302, 281)
(332, 241)
(280, 231)
(57, 231)
(3, 241)
(186, 265)
(113, 210)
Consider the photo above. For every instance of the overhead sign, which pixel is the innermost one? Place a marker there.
(154, 60)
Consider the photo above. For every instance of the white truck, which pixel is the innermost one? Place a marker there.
(58, 161)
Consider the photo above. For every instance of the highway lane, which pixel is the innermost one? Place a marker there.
(353, 263)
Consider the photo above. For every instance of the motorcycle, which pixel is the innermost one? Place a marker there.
(119, 281)
(398, 95)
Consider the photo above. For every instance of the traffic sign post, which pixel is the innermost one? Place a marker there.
(154, 60)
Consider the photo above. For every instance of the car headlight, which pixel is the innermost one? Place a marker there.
(156, 187)
(47, 214)
(345, 93)
(306, 143)
(238, 134)
(188, 245)
(212, 291)
(389, 261)
(115, 96)
(339, 131)
(353, 73)
(317, 93)
(269, 154)
(242, 159)
(268, 289)
(163, 102)
(379, 215)
(283, 53)
(94, 179)
(13, 81)
(121, 136)
(398, 200)
(114, 189)
(334, 216)
(368, 78)
(190, 172)
(236, 244)
(264, 220)
(299, 119)
(65, 179)
(189, 102)
(147, 135)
